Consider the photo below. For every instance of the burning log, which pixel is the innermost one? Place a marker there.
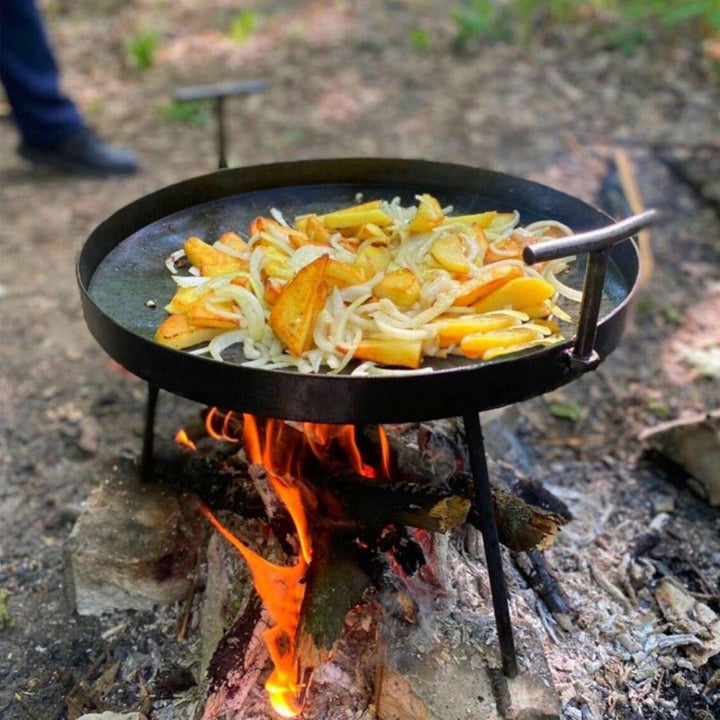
(438, 459)
(335, 583)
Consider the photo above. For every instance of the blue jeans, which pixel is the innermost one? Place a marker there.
(29, 73)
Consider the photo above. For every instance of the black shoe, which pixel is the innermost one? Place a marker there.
(84, 153)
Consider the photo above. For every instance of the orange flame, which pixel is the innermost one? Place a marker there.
(181, 437)
(282, 588)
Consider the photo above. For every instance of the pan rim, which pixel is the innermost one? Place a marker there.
(154, 207)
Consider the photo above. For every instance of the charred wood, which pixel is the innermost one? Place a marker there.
(230, 653)
(533, 567)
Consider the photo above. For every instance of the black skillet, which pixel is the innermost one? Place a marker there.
(122, 266)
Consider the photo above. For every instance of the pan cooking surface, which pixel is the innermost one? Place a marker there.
(135, 272)
(122, 268)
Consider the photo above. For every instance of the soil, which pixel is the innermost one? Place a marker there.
(357, 79)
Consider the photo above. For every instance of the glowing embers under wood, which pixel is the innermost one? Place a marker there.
(297, 642)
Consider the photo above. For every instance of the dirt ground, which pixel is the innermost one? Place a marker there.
(357, 79)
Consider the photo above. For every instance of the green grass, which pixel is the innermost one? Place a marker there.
(242, 25)
(196, 112)
(420, 40)
(623, 24)
(140, 49)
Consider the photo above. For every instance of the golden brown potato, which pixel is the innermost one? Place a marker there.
(210, 261)
(400, 286)
(298, 304)
(516, 294)
(389, 351)
(176, 332)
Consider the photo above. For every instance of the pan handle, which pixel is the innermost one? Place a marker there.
(598, 244)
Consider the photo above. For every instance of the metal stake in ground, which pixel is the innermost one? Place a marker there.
(218, 92)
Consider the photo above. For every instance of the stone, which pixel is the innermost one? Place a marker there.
(133, 546)
(533, 699)
(694, 444)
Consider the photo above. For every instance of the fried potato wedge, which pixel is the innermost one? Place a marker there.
(517, 294)
(372, 259)
(298, 304)
(201, 313)
(482, 220)
(389, 351)
(342, 274)
(447, 251)
(183, 298)
(400, 286)
(428, 216)
(210, 261)
(353, 218)
(177, 332)
(475, 346)
(296, 238)
(234, 241)
(491, 278)
(453, 330)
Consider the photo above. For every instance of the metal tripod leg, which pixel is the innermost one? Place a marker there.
(493, 556)
(146, 459)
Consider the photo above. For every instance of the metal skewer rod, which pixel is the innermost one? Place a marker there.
(491, 542)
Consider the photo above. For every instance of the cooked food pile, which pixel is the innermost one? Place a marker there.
(377, 282)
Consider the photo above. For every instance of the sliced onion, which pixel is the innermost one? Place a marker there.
(250, 307)
(307, 254)
(389, 329)
(172, 259)
(278, 216)
(190, 280)
(349, 354)
(564, 290)
(220, 343)
(352, 292)
(224, 247)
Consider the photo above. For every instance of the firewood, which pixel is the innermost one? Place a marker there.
(335, 583)
(437, 462)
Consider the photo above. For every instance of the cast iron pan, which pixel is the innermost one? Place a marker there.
(122, 266)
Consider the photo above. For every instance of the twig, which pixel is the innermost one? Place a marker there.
(626, 174)
(612, 590)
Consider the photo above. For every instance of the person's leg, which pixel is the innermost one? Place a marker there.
(29, 73)
(53, 131)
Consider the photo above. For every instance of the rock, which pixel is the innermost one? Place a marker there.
(532, 698)
(694, 444)
(134, 545)
(90, 432)
(692, 617)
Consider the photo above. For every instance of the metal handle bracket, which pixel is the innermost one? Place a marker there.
(598, 244)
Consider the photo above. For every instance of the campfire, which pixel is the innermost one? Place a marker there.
(356, 514)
